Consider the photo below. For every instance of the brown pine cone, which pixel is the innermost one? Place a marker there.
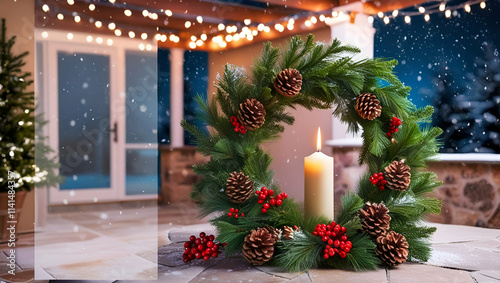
(375, 219)
(239, 188)
(288, 82)
(274, 231)
(368, 106)
(392, 248)
(252, 114)
(288, 233)
(398, 175)
(258, 247)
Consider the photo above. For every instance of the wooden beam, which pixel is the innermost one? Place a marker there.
(374, 7)
(308, 5)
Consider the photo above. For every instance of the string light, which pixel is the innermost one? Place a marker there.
(45, 34)
(203, 37)
(112, 1)
(482, 5)
(427, 17)
(142, 46)
(386, 20)
(71, 2)
(236, 37)
(127, 13)
(45, 8)
(407, 19)
(199, 19)
(229, 38)
(77, 19)
(163, 38)
(144, 36)
(322, 18)
(267, 29)
(421, 9)
(149, 47)
(260, 27)
(255, 32)
(447, 13)
(187, 24)
(308, 23)
(111, 26)
(192, 45)
(69, 36)
(247, 21)
(109, 42)
(99, 40)
(98, 24)
(118, 32)
(395, 13)
(467, 8)
(91, 7)
(168, 13)
(442, 6)
(221, 27)
(199, 42)
(89, 38)
(279, 27)
(60, 16)
(314, 20)
(336, 14)
(380, 14)
(370, 19)
(145, 13)
(131, 34)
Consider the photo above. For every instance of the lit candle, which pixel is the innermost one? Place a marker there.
(318, 189)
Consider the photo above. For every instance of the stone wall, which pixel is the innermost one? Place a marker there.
(470, 192)
(177, 176)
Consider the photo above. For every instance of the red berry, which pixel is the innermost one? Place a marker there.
(266, 205)
(279, 202)
(197, 241)
(236, 216)
(260, 201)
(192, 238)
(284, 195)
(236, 210)
(315, 233)
(201, 247)
(224, 244)
(194, 250)
(342, 229)
(202, 234)
(211, 237)
(262, 196)
(210, 244)
(270, 192)
(336, 243)
(343, 238)
(231, 210)
(328, 233)
(263, 189)
(278, 197)
(215, 254)
(325, 238)
(187, 244)
(326, 256)
(347, 249)
(206, 257)
(229, 214)
(330, 242)
(272, 202)
(342, 254)
(264, 210)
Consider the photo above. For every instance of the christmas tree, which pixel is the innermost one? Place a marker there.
(17, 125)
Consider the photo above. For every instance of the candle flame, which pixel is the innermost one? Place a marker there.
(318, 143)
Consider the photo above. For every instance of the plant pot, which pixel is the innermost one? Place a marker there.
(5, 220)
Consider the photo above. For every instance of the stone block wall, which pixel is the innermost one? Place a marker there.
(177, 176)
(470, 192)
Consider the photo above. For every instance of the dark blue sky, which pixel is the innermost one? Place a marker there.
(442, 45)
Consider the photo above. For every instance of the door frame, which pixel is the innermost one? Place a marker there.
(48, 103)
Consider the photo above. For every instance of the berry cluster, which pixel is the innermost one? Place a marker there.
(202, 247)
(393, 128)
(233, 212)
(265, 194)
(335, 238)
(237, 126)
(378, 180)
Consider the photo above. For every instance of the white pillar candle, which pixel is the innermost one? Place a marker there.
(318, 187)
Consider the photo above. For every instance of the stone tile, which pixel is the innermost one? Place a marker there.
(5, 267)
(182, 234)
(337, 275)
(278, 271)
(25, 257)
(235, 270)
(129, 268)
(480, 278)
(178, 274)
(464, 256)
(41, 274)
(304, 278)
(491, 273)
(25, 276)
(46, 238)
(455, 233)
(417, 273)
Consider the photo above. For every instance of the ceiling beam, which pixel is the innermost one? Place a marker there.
(373, 7)
(307, 5)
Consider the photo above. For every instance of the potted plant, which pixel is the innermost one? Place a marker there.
(18, 171)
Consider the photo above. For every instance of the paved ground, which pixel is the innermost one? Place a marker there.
(129, 243)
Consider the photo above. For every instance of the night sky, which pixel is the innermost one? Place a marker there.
(440, 46)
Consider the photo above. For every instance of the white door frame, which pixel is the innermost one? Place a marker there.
(57, 41)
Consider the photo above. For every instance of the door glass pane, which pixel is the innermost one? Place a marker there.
(141, 105)
(142, 171)
(84, 144)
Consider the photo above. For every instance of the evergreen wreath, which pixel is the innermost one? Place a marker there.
(249, 109)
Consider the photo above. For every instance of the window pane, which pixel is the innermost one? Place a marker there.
(84, 144)
(142, 171)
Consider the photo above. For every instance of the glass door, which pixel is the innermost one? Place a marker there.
(84, 102)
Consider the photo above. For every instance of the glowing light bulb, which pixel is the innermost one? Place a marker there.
(203, 37)
(236, 37)
(109, 42)
(308, 23)
(467, 8)
(69, 36)
(91, 7)
(221, 27)
(145, 13)
(199, 19)
(322, 18)
(193, 37)
(127, 13)
(89, 38)
(482, 5)
(421, 9)
(395, 13)
(131, 34)
(98, 24)
(442, 6)
(223, 44)
(45, 34)
(247, 21)
(144, 36)
(370, 19)
(163, 38)
(427, 17)
(187, 24)
(168, 13)
(142, 46)
(99, 40)
(111, 26)
(149, 47)
(314, 20)
(199, 42)
(447, 13)
(77, 19)
(192, 45)
(279, 27)
(407, 19)
(335, 14)
(60, 16)
(380, 14)
(172, 37)
(71, 2)
(386, 20)
(45, 8)
(250, 37)
(260, 27)
(255, 32)
(267, 29)
(112, 1)
(118, 32)
(229, 38)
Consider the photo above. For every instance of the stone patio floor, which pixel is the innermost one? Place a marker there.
(460, 253)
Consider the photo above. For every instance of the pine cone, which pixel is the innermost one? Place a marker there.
(239, 188)
(398, 176)
(288, 82)
(252, 114)
(288, 232)
(368, 106)
(375, 219)
(258, 247)
(392, 248)
(274, 231)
